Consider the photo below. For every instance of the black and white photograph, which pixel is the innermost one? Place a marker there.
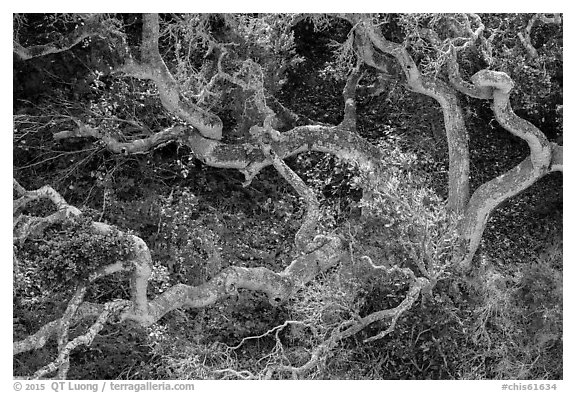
(287, 196)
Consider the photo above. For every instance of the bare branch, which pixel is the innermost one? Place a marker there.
(82, 311)
(349, 94)
(86, 339)
(250, 160)
(24, 226)
(350, 328)
(90, 27)
(137, 146)
(154, 68)
(456, 134)
(278, 286)
(65, 326)
(502, 85)
(304, 238)
(41, 337)
(460, 84)
(488, 196)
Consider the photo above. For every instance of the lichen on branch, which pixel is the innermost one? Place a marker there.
(136, 146)
(152, 67)
(371, 42)
(278, 286)
(544, 157)
(90, 26)
(348, 328)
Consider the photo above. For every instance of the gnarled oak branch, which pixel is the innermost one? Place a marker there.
(459, 169)
(544, 157)
(153, 67)
(278, 286)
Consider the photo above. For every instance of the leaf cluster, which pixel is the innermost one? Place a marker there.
(66, 255)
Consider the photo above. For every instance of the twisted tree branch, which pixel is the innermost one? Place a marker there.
(459, 169)
(250, 160)
(278, 286)
(90, 27)
(350, 328)
(153, 67)
(304, 238)
(544, 157)
(86, 339)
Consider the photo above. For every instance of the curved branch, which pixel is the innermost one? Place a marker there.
(46, 192)
(278, 286)
(64, 327)
(82, 311)
(86, 339)
(24, 226)
(544, 157)
(250, 160)
(140, 262)
(350, 328)
(525, 37)
(502, 85)
(304, 238)
(92, 26)
(464, 87)
(41, 337)
(459, 169)
(153, 67)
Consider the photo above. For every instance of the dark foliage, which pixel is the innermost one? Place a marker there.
(198, 220)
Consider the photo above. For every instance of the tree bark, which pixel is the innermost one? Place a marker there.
(456, 134)
(92, 26)
(278, 286)
(544, 157)
(153, 67)
(250, 160)
(138, 146)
